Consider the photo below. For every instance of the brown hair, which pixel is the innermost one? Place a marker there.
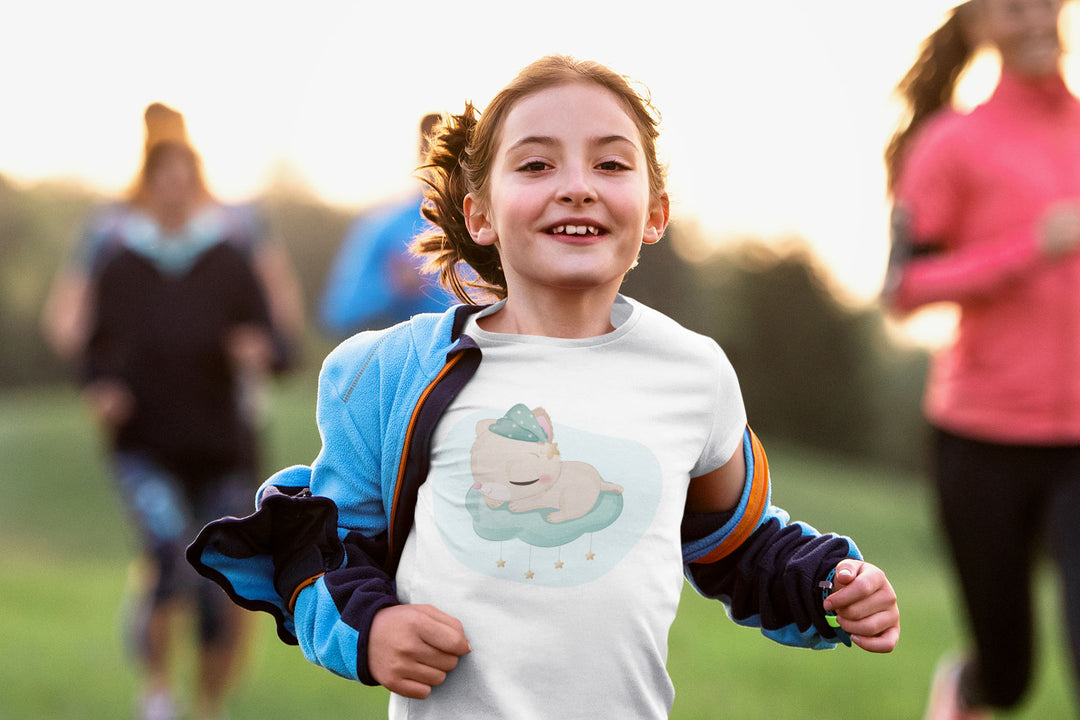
(930, 83)
(166, 136)
(463, 150)
(428, 123)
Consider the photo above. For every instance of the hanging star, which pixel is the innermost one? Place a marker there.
(558, 564)
(529, 575)
(590, 555)
(500, 563)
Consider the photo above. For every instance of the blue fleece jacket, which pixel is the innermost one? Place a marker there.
(321, 552)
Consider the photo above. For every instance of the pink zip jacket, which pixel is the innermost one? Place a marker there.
(969, 202)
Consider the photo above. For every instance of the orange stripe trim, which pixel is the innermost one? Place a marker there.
(408, 441)
(296, 593)
(755, 507)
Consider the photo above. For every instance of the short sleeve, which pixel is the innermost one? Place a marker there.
(728, 418)
(94, 238)
(246, 227)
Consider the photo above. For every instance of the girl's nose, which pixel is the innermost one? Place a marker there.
(577, 189)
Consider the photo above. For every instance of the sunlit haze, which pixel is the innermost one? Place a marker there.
(774, 114)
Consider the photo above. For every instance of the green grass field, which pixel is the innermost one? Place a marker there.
(66, 549)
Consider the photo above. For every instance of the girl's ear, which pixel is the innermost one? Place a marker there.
(476, 220)
(656, 223)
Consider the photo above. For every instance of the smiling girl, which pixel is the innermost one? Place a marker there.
(508, 495)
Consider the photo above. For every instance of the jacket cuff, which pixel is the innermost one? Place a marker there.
(263, 559)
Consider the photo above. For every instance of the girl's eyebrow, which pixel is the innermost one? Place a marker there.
(548, 141)
(534, 140)
(614, 140)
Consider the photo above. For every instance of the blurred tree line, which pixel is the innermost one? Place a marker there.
(813, 370)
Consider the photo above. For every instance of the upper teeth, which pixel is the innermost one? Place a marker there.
(575, 230)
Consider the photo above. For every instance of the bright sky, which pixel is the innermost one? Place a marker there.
(774, 113)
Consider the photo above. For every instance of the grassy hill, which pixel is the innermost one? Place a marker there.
(67, 548)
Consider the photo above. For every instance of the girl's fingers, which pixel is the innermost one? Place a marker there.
(883, 643)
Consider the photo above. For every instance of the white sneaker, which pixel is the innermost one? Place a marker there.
(158, 706)
(944, 703)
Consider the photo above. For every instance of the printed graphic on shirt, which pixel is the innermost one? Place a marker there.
(551, 506)
(517, 464)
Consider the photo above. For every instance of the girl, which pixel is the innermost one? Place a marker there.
(507, 496)
(987, 216)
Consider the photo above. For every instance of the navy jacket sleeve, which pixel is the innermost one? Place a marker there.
(317, 554)
(314, 554)
(764, 568)
(291, 543)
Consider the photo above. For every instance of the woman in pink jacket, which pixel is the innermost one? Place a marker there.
(987, 217)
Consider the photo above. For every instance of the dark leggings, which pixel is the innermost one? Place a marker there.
(169, 513)
(1000, 505)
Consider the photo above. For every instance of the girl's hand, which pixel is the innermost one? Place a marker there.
(1059, 232)
(865, 605)
(411, 648)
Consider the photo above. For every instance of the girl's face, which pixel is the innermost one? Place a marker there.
(569, 202)
(1025, 32)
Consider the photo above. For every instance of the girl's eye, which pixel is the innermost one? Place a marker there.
(612, 166)
(533, 166)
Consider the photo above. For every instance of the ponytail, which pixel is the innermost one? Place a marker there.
(930, 83)
(448, 244)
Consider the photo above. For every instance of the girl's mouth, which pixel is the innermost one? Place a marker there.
(579, 230)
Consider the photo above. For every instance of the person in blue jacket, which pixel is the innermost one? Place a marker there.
(375, 280)
(509, 496)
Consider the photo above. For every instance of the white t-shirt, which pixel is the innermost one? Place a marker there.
(549, 522)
